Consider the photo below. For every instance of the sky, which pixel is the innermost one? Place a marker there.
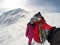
(51, 6)
(11, 4)
(46, 5)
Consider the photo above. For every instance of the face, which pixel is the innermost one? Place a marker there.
(32, 22)
(34, 19)
(38, 18)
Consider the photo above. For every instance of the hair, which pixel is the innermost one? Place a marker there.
(31, 24)
(38, 14)
(43, 20)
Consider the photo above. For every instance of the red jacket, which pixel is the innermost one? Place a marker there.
(45, 25)
(36, 31)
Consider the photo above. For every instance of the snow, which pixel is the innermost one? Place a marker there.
(14, 33)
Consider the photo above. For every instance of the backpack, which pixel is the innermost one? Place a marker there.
(54, 36)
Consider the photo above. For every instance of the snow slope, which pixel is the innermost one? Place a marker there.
(13, 23)
(13, 26)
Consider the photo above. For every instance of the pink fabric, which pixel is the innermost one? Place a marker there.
(30, 32)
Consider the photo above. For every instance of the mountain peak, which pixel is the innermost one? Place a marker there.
(14, 11)
(11, 16)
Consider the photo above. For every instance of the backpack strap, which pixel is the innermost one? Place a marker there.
(42, 34)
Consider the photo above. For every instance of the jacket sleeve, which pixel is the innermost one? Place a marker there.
(27, 30)
(47, 27)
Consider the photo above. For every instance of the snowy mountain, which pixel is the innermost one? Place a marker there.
(11, 16)
(13, 25)
(7, 21)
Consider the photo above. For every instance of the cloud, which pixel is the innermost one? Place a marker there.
(45, 5)
(12, 3)
(48, 5)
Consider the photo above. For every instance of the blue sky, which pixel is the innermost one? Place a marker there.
(52, 5)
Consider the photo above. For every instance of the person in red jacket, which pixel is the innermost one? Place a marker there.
(44, 26)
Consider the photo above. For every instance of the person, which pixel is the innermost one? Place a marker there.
(41, 26)
(55, 36)
(30, 30)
